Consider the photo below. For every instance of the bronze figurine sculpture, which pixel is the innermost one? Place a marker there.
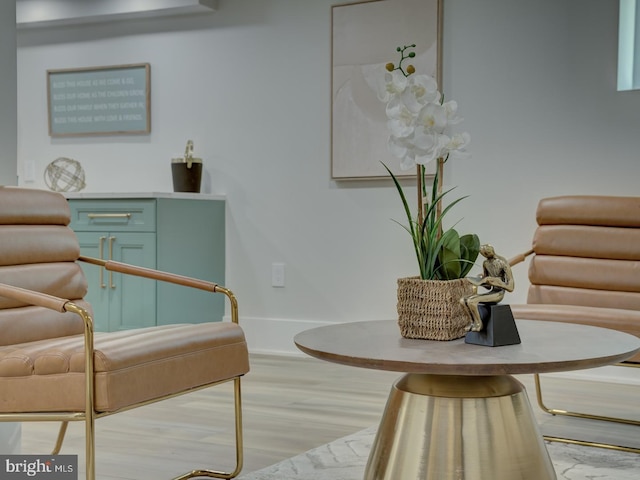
(496, 277)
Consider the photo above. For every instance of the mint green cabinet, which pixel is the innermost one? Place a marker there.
(120, 301)
(178, 235)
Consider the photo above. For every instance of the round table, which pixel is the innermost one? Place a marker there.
(457, 413)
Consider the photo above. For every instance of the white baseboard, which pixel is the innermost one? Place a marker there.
(275, 336)
(272, 336)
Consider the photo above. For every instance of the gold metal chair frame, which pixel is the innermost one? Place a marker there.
(89, 415)
(590, 416)
(555, 411)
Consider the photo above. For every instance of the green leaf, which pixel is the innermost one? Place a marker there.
(469, 251)
(415, 235)
(449, 255)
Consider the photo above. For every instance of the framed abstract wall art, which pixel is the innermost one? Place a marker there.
(364, 39)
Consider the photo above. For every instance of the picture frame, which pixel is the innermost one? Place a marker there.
(106, 100)
(364, 38)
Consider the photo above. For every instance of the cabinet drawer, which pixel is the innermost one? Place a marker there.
(113, 215)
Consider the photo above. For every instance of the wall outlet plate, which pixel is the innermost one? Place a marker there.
(277, 274)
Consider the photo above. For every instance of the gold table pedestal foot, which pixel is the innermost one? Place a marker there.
(449, 427)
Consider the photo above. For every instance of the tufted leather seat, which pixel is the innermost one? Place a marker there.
(130, 367)
(43, 360)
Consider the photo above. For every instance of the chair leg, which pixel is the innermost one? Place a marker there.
(90, 441)
(239, 443)
(60, 439)
(555, 411)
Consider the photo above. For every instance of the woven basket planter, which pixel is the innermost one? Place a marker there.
(431, 309)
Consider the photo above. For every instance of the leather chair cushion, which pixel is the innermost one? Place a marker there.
(28, 206)
(600, 210)
(25, 244)
(30, 324)
(60, 279)
(131, 366)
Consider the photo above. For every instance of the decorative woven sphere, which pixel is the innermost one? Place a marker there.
(64, 175)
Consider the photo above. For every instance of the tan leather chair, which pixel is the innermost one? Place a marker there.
(53, 367)
(585, 269)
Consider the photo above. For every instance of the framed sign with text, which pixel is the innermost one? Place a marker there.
(111, 100)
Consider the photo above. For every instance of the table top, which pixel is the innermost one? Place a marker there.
(545, 347)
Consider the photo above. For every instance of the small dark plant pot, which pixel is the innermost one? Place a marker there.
(187, 176)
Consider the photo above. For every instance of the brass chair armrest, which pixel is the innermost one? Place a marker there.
(159, 275)
(32, 297)
(39, 299)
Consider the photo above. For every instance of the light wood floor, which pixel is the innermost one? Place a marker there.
(291, 404)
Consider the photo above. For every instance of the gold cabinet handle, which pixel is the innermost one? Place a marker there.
(111, 240)
(108, 215)
(101, 254)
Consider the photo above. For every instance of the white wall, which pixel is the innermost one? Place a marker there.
(10, 433)
(250, 84)
(8, 101)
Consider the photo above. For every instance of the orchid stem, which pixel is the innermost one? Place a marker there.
(439, 176)
(420, 175)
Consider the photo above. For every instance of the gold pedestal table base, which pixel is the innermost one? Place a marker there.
(458, 414)
(448, 427)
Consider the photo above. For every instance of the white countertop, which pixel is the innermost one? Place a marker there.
(114, 195)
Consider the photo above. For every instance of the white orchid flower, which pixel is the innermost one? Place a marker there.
(429, 146)
(418, 121)
(458, 144)
(432, 118)
(402, 148)
(402, 121)
(451, 107)
(420, 90)
(395, 83)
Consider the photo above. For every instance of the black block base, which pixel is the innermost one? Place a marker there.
(499, 327)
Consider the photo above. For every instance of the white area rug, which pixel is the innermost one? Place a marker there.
(345, 459)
